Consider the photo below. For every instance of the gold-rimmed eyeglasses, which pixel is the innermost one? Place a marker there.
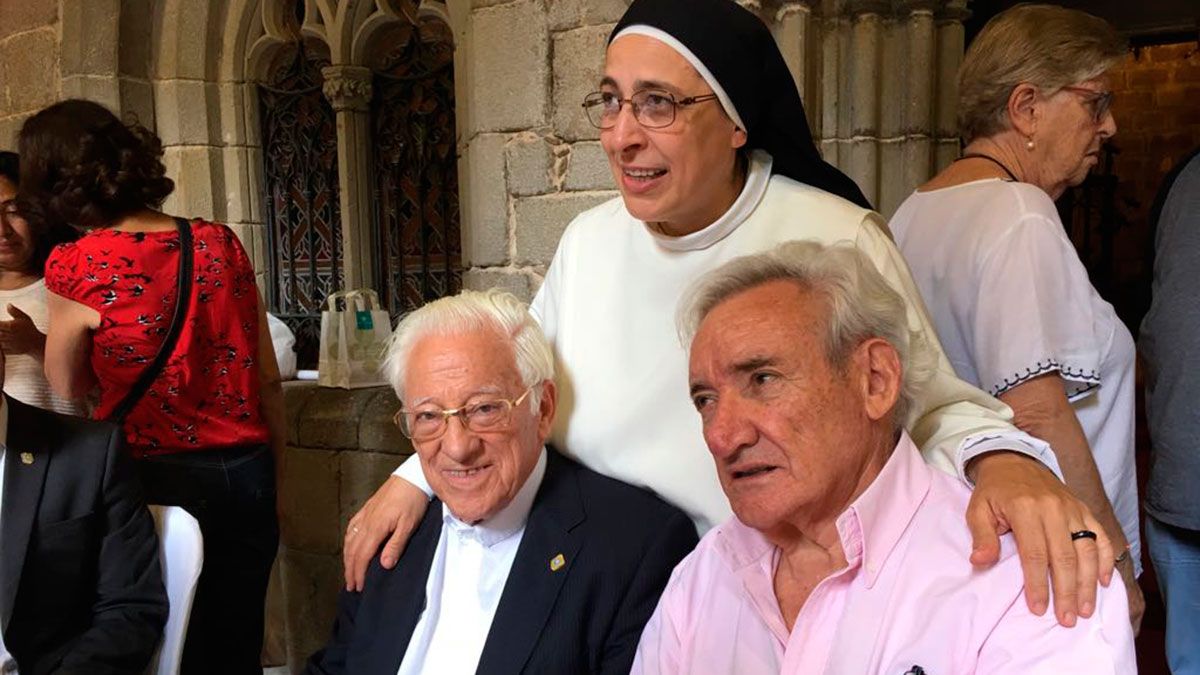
(652, 108)
(429, 422)
(1100, 101)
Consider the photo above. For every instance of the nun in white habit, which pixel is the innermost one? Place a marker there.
(708, 142)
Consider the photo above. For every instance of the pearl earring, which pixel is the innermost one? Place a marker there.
(1029, 144)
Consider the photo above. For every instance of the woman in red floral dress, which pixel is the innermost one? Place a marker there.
(208, 430)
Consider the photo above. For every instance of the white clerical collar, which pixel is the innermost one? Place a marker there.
(758, 176)
(511, 519)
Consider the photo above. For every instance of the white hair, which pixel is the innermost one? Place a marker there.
(467, 312)
(860, 303)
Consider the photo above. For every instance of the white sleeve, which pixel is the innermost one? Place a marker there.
(544, 307)
(951, 421)
(1033, 312)
(411, 471)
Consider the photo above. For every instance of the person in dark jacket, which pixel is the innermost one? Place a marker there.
(526, 562)
(81, 590)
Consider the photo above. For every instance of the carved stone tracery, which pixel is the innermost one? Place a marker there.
(347, 87)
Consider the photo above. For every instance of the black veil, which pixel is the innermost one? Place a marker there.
(741, 55)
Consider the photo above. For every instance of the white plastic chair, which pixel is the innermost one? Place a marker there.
(181, 554)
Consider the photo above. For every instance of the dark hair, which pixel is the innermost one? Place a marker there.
(83, 166)
(10, 167)
(44, 240)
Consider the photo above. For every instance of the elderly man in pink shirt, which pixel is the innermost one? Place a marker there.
(847, 552)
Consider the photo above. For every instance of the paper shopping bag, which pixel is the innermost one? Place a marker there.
(354, 335)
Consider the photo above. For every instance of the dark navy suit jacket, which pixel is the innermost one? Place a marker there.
(81, 589)
(619, 543)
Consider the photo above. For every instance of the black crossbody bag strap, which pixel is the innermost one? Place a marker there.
(183, 298)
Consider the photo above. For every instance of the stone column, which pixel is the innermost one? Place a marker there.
(950, 45)
(921, 37)
(908, 141)
(89, 58)
(348, 89)
(794, 32)
(866, 38)
(827, 111)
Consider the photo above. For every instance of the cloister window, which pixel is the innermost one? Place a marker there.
(360, 164)
(303, 213)
(414, 167)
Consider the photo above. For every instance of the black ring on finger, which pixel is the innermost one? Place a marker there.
(1083, 534)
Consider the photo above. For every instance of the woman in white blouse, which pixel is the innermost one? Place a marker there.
(23, 317)
(1011, 300)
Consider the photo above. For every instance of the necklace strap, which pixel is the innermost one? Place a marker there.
(979, 155)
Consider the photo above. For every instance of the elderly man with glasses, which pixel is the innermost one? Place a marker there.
(526, 562)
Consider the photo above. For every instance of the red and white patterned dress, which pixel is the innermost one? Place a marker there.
(207, 396)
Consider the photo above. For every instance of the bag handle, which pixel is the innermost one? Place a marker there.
(365, 298)
(183, 296)
(332, 298)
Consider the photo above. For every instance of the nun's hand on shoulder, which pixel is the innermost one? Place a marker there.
(1018, 494)
(392, 515)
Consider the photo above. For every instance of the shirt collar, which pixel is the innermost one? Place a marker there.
(869, 529)
(758, 177)
(511, 519)
(877, 519)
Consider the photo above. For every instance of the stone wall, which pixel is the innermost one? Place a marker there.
(29, 63)
(532, 161)
(342, 445)
(56, 49)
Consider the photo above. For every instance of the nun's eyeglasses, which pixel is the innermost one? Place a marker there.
(652, 108)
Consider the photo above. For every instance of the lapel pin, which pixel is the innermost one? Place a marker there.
(557, 562)
(27, 458)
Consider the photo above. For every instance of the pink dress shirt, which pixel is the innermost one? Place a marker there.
(908, 601)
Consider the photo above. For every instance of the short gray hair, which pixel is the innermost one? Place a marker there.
(467, 312)
(1048, 46)
(860, 303)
